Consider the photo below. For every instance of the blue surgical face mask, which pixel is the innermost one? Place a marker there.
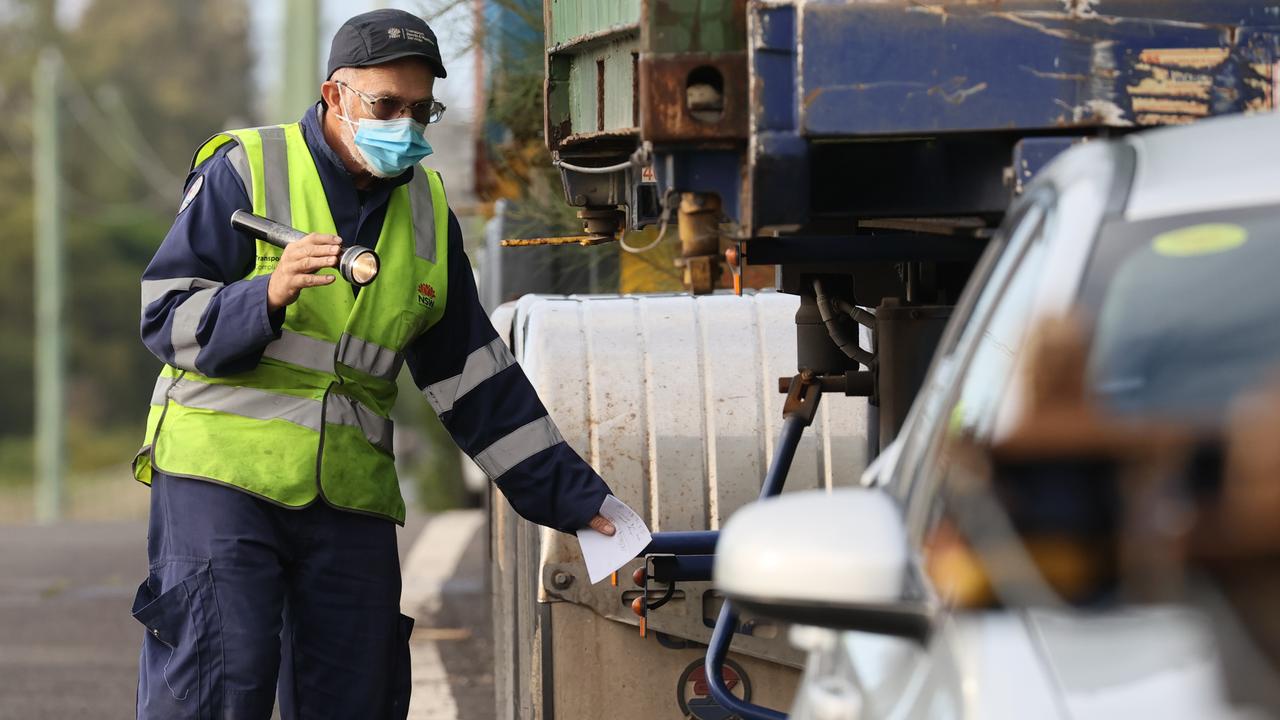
(389, 147)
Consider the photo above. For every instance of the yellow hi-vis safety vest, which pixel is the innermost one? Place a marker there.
(312, 420)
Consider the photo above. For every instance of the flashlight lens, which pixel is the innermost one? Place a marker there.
(364, 268)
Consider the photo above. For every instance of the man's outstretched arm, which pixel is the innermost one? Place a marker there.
(493, 412)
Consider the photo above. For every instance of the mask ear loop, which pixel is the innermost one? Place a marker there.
(344, 117)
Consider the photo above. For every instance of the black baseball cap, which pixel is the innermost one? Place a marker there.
(380, 36)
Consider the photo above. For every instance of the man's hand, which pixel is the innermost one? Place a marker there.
(602, 525)
(298, 266)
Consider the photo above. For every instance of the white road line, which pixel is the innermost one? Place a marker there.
(433, 560)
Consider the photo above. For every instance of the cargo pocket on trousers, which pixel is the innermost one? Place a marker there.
(182, 654)
(402, 670)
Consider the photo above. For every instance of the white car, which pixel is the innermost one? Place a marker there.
(1168, 242)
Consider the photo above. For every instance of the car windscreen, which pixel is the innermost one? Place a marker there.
(1184, 312)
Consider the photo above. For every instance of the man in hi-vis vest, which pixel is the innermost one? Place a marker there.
(274, 498)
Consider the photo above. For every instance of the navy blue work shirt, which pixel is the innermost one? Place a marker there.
(554, 486)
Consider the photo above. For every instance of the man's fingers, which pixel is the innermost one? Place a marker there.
(320, 239)
(297, 267)
(302, 253)
(305, 281)
(602, 525)
(312, 264)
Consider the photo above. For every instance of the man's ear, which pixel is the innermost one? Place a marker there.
(331, 94)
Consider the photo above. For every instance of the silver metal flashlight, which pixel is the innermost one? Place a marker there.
(358, 265)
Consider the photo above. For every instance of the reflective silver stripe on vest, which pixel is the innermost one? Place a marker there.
(304, 350)
(160, 393)
(153, 290)
(275, 169)
(263, 405)
(481, 365)
(518, 446)
(247, 402)
(240, 161)
(186, 320)
(371, 358)
(424, 216)
(315, 354)
(344, 410)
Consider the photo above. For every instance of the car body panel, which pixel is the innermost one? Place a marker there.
(1048, 663)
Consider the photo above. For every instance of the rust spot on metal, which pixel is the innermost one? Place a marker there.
(596, 38)
(558, 133)
(1049, 75)
(624, 136)
(1201, 58)
(939, 10)
(1265, 79)
(1037, 22)
(1197, 88)
(1093, 112)
(1170, 106)
(1080, 8)
(664, 115)
(955, 97)
(600, 94)
(583, 240)
(635, 89)
(1174, 86)
(1164, 119)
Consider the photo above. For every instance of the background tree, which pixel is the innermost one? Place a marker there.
(147, 80)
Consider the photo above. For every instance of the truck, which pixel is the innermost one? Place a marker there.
(867, 151)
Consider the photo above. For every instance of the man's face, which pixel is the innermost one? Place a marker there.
(399, 83)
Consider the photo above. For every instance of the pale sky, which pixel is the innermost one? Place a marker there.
(452, 30)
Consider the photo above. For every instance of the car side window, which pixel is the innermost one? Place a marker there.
(991, 268)
(976, 367)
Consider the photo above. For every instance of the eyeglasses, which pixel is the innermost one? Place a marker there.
(389, 108)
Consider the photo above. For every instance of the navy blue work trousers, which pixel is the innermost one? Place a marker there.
(245, 598)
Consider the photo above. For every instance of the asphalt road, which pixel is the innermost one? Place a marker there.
(69, 648)
(446, 590)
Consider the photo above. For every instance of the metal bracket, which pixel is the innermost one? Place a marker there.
(803, 393)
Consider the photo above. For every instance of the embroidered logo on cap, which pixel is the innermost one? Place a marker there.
(409, 34)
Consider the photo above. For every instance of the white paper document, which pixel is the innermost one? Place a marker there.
(604, 553)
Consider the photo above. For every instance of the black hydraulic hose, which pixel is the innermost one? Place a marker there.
(862, 316)
(847, 344)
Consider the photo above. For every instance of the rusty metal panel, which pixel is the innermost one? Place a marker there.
(899, 67)
(666, 113)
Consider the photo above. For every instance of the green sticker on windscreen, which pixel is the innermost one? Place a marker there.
(1195, 240)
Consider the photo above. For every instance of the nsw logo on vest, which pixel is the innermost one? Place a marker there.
(426, 295)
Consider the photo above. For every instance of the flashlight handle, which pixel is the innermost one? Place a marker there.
(277, 234)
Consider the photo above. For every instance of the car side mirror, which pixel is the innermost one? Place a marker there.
(836, 559)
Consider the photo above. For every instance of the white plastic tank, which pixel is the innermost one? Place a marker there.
(674, 400)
